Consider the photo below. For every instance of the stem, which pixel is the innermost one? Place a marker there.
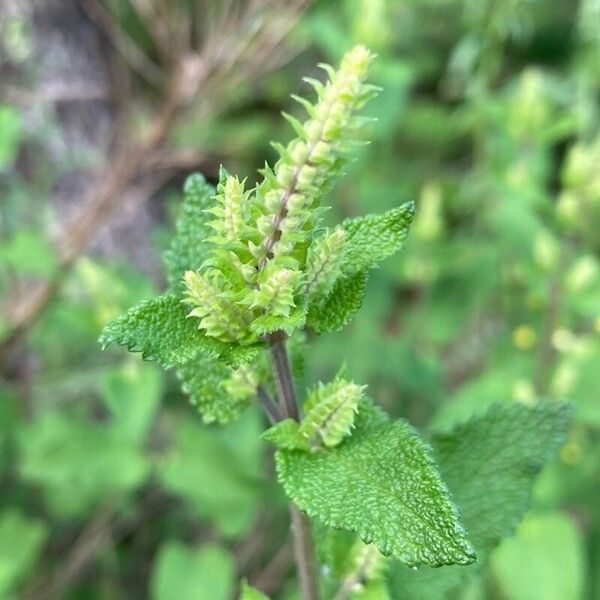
(283, 376)
(304, 553)
(301, 527)
(269, 406)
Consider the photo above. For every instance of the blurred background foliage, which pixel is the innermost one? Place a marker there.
(489, 118)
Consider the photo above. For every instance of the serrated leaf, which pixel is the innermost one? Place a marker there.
(502, 451)
(334, 312)
(382, 483)
(266, 324)
(201, 379)
(160, 329)
(286, 435)
(189, 248)
(368, 240)
(489, 463)
(372, 238)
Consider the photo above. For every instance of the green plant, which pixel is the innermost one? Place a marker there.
(249, 271)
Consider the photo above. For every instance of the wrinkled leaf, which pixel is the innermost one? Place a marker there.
(382, 483)
(489, 464)
(189, 248)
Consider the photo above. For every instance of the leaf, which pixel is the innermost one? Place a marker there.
(201, 380)
(188, 574)
(28, 253)
(489, 463)
(132, 393)
(21, 541)
(502, 451)
(269, 323)
(217, 470)
(368, 240)
(382, 483)
(80, 464)
(10, 134)
(160, 330)
(336, 311)
(286, 435)
(250, 593)
(545, 560)
(189, 248)
(372, 238)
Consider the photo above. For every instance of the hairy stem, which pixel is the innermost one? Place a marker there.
(301, 527)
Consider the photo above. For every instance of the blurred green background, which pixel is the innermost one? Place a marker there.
(111, 485)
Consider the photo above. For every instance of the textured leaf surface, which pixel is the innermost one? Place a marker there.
(382, 483)
(201, 379)
(189, 248)
(372, 238)
(368, 240)
(335, 311)
(160, 330)
(489, 464)
(269, 323)
(286, 434)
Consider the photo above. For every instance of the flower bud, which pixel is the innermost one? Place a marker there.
(285, 176)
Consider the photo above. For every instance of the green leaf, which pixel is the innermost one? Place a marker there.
(330, 411)
(160, 330)
(368, 241)
(10, 134)
(189, 248)
(503, 451)
(132, 393)
(217, 470)
(372, 238)
(382, 483)
(286, 435)
(201, 379)
(250, 593)
(187, 574)
(28, 253)
(21, 542)
(80, 464)
(545, 560)
(489, 463)
(334, 312)
(269, 323)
